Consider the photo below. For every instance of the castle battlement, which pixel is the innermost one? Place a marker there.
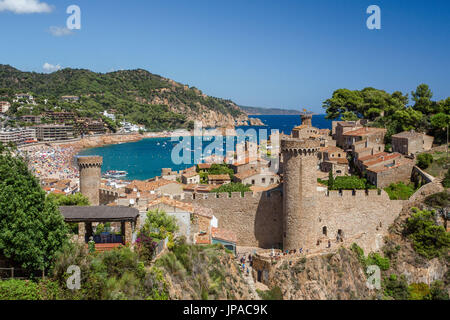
(300, 146)
(226, 195)
(89, 162)
(371, 193)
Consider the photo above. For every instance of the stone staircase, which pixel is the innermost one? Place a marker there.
(251, 283)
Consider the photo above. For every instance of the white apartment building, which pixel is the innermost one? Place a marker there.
(4, 106)
(17, 136)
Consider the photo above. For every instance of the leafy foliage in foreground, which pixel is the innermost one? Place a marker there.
(32, 229)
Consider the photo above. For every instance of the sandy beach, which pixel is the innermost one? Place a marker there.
(56, 160)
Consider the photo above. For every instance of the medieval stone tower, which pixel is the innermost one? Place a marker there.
(307, 119)
(300, 219)
(90, 174)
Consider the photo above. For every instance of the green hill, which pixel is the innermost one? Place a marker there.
(140, 96)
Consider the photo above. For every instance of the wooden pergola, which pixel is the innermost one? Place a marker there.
(85, 216)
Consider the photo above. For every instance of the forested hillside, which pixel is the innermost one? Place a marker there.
(139, 95)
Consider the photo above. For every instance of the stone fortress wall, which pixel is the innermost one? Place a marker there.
(256, 218)
(359, 215)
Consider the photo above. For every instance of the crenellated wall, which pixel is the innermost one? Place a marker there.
(359, 214)
(107, 196)
(256, 218)
(362, 216)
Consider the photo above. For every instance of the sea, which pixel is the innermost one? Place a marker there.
(144, 159)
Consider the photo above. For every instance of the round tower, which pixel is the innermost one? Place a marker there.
(90, 173)
(299, 192)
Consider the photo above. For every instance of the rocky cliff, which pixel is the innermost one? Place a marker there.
(341, 275)
(203, 273)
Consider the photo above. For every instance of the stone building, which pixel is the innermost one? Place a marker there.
(341, 127)
(218, 179)
(190, 177)
(263, 178)
(396, 170)
(374, 135)
(411, 142)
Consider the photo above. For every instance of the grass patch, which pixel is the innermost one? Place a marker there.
(400, 191)
(440, 164)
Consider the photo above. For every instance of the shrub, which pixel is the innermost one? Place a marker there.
(446, 180)
(19, 290)
(359, 253)
(232, 187)
(376, 259)
(424, 160)
(396, 288)
(273, 294)
(419, 291)
(438, 291)
(438, 200)
(429, 239)
(159, 225)
(145, 247)
(349, 183)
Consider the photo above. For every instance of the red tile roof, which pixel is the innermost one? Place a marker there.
(382, 159)
(363, 132)
(223, 234)
(149, 185)
(246, 174)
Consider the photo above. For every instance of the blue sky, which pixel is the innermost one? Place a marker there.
(290, 54)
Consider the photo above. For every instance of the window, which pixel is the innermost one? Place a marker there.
(272, 180)
(340, 235)
(324, 230)
(263, 180)
(253, 181)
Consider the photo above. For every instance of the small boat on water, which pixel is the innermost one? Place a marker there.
(115, 174)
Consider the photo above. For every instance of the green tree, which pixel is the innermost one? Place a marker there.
(424, 160)
(440, 123)
(32, 229)
(158, 224)
(330, 180)
(407, 119)
(76, 199)
(422, 98)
